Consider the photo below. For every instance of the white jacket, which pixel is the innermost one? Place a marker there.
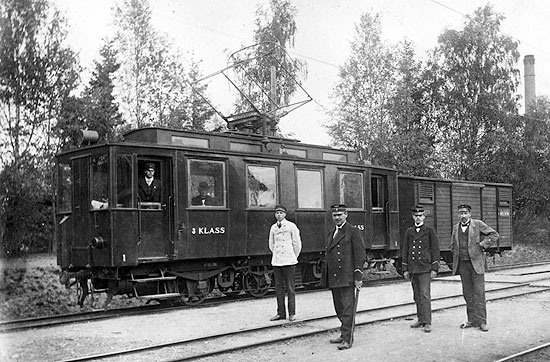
(285, 243)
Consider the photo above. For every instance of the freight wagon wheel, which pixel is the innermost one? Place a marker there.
(193, 292)
(255, 282)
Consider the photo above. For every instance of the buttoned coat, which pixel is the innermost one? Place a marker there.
(345, 254)
(420, 250)
(480, 236)
(285, 243)
(149, 193)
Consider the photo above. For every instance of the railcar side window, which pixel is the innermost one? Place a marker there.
(351, 190)
(65, 194)
(206, 183)
(310, 189)
(261, 186)
(124, 172)
(377, 193)
(99, 187)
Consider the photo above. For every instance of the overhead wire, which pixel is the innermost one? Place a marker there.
(318, 60)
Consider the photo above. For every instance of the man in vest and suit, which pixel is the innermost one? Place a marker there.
(420, 255)
(343, 271)
(469, 239)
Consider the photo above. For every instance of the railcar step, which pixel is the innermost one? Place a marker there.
(155, 279)
(161, 296)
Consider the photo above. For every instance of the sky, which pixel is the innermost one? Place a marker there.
(212, 29)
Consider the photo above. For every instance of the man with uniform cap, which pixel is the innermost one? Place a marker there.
(285, 244)
(343, 270)
(149, 187)
(420, 254)
(468, 240)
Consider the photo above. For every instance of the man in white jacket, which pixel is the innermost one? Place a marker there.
(285, 244)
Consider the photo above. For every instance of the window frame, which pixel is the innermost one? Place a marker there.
(342, 195)
(190, 189)
(379, 193)
(247, 188)
(322, 186)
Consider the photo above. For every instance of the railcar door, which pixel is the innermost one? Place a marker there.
(154, 208)
(81, 211)
(380, 211)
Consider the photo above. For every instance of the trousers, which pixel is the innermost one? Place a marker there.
(422, 297)
(284, 277)
(473, 290)
(344, 302)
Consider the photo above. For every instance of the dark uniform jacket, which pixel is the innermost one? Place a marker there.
(480, 236)
(149, 193)
(420, 251)
(344, 255)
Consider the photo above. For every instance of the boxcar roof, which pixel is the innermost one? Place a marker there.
(479, 183)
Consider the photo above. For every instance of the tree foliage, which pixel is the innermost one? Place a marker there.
(531, 165)
(275, 34)
(37, 74)
(96, 108)
(475, 77)
(367, 81)
(153, 81)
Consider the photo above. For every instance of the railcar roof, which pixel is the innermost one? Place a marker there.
(239, 142)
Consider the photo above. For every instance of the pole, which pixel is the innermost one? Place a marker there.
(353, 316)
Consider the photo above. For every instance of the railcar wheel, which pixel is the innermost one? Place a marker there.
(194, 292)
(311, 276)
(235, 287)
(255, 283)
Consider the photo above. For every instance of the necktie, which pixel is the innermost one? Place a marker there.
(279, 224)
(336, 232)
(203, 202)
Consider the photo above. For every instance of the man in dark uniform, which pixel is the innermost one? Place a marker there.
(343, 271)
(470, 237)
(149, 187)
(202, 199)
(420, 253)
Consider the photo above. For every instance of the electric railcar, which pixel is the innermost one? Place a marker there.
(173, 248)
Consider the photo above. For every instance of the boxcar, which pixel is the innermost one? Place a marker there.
(112, 240)
(491, 203)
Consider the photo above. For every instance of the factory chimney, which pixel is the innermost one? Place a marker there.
(530, 95)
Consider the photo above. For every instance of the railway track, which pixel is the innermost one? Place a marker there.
(50, 321)
(242, 339)
(535, 354)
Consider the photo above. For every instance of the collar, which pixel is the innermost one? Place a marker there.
(341, 226)
(419, 225)
(466, 224)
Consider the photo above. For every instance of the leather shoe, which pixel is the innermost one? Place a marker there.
(344, 345)
(276, 318)
(417, 325)
(465, 325)
(336, 340)
(427, 328)
(292, 317)
(483, 327)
